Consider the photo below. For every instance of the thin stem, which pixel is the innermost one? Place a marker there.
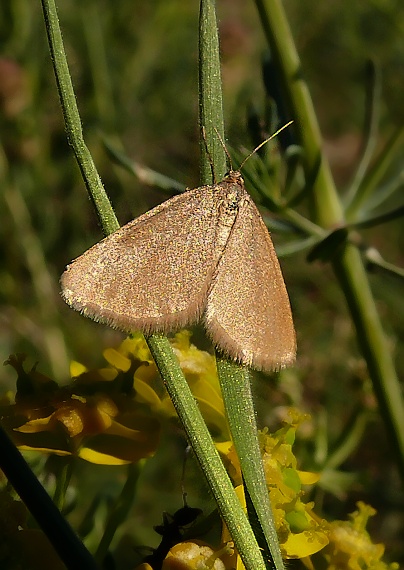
(160, 347)
(230, 374)
(210, 95)
(235, 382)
(353, 279)
(206, 453)
(347, 263)
(325, 204)
(71, 115)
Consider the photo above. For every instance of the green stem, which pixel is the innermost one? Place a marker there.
(354, 282)
(325, 204)
(235, 382)
(347, 264)
(234, 379)
(301, 222)
(206, 453)
(210, 95)
(160, 347)
(74, 129)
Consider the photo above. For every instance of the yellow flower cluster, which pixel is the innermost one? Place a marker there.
(113, 416)
(351, 547)
(94, 417)
(300, 533)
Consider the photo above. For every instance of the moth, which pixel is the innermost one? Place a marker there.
(204, 255)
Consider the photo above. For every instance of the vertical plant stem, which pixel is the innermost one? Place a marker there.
(160, 348)
(235, 382)
(219, 482)
(347, 263)
(325, 203)
(74, 129)
(210, 95)
(354, 282)
(234, 379)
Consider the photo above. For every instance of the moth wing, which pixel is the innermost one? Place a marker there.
(248, 312)
(152, 274)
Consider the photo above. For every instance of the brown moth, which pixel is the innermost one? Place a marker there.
(204, 254)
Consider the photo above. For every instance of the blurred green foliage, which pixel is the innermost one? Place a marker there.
(134, 67)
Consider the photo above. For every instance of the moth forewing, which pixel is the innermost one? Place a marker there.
(206, 251)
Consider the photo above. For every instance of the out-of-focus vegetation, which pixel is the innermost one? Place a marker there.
(134, 67)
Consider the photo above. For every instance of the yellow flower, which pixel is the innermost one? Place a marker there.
(111, 415)
(194, 555)
(300, 532)
(198, 366)
(93, 418)
(351, 547)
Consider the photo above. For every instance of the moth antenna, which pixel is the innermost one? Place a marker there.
(262, 144)
(209, 155)
(224, 148)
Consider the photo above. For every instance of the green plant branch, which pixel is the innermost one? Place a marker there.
(303, 224)
(234, 379)
(74, 131)
(347, 262)
(219, 482)
(160, 347)
(210, 95)
(235, 382)
(353, 279)
(373, 257)
(143, 173)
(325, 204)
